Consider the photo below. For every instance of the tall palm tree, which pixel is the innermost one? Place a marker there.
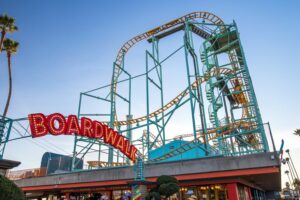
(10, 47)
(7, 25)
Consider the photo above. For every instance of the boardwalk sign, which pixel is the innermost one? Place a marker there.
(56, 124)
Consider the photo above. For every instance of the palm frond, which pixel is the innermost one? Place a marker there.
(7, 24)
(297, 132)
(10, 46)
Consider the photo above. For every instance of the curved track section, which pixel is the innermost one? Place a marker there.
(181, 20)
(130, 43)
(215, 72)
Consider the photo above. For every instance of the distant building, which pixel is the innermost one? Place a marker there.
(57, 163)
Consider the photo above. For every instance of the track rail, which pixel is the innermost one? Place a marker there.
(215, 72)
(181, 20)
(130, 43)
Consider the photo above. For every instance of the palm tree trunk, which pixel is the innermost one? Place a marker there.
(10, 85)
(1, 41)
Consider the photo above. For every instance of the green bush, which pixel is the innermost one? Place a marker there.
(153, 195)
(166, 186)
(166, 179)
(168, 189)
(9, 190)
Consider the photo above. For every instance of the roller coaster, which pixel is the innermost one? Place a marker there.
(225, 117)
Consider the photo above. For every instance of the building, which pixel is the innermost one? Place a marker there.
(57, 163)
(245, 177)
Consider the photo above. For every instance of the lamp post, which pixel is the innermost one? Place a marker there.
(293, 166)
(287, 173)
(290, 168)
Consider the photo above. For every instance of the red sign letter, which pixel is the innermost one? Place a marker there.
(110, 136)
(98, 129)
(120, 143)
(72, 125)
(127, 148)
(133, 151)
(38, 125)
(61, 124)
(87, 127)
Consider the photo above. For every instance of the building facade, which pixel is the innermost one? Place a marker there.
(246, 177)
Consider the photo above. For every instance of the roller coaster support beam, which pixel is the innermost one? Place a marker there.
(147, 105)
(114, 93)
(251, 88)
(129, 132)
(157, 81)
(189, 87)
(188, 43)
(155, 53)
(76, 137)
(113, 108)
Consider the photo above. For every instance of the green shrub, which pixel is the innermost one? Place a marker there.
(153, 195)
(166, 179)
(9, 190)
(168, 189)
(166, 186)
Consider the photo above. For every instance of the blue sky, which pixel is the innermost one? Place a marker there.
(68, 46)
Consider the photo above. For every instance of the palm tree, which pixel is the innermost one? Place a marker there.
(297, 132)
(297, 184)
(7, 25)
(10, 47)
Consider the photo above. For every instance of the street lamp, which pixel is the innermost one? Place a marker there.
(292, 163)
(290, 168)
(287, 173)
